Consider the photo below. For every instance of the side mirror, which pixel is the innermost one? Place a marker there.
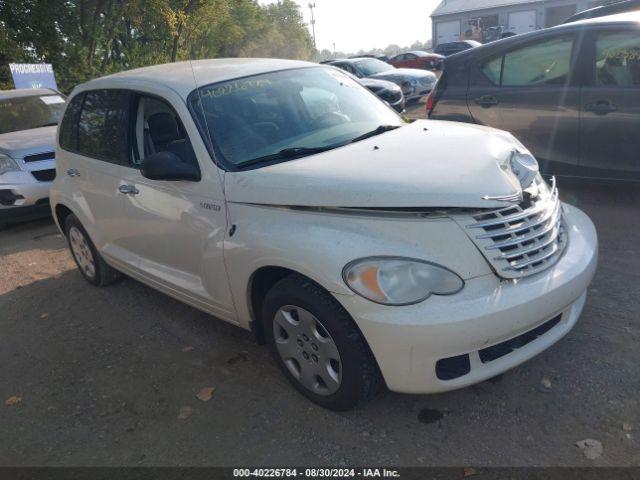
(168, 166)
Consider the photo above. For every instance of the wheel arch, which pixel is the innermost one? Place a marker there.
(61, 212)
(259, 284)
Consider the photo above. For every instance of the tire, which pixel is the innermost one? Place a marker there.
(339, 384)
(90, 263)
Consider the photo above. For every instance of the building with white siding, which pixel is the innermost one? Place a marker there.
(486, 20)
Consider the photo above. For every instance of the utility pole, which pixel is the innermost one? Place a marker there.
(334, 48)
(313, 23)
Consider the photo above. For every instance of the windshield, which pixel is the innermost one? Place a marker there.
(373, 66)
(25, 113)
(287, 114)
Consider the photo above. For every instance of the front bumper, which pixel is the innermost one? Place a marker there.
(417, 92)
(22, 195)
(408, 342)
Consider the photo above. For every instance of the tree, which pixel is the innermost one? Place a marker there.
(88, 38)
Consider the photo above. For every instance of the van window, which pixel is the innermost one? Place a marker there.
(103, 127)
(618, 59)
(69, 124)
(159, 129)
(543, 63)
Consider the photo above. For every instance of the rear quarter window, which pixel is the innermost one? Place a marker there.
(492, 69)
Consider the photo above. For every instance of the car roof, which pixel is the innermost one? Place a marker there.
(183, 76)
(25, 92)
(357, 59)
(604, 10)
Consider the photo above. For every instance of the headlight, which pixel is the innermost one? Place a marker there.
(524, 166)
(399, 281)
(7, 164)
(414, 82)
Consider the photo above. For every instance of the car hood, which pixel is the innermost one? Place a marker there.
(25, 142)
(378, 84)
(426, 164)
(404, 74)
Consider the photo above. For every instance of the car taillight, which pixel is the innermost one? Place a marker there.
(430, 101)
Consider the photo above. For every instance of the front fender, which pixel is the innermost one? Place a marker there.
(318, 244)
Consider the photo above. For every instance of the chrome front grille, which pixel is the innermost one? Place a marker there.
(520, 240)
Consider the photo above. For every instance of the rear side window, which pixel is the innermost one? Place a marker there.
(544, 63)
(493, 70)
(618, 59)
(104, 126)
(69, 124)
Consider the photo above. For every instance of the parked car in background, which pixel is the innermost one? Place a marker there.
(571, 94)
(605, 10)
(446, 49)
(386, 91)
(417, 59)
(282, 197)
(28, 121)
(414, 83)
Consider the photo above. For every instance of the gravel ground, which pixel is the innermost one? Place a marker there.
(110, 377)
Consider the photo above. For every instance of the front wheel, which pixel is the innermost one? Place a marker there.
(318, 346)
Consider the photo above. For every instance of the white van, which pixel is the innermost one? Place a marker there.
(285, 198)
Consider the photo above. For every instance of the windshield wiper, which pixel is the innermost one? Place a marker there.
(289, 153)
(377, 131)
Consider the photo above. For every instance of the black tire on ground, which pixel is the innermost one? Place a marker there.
(104, 274)
(361, 378)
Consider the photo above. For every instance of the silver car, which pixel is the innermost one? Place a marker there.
(28, 124)
(415, 83)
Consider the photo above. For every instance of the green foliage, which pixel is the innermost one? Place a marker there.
(88, 38)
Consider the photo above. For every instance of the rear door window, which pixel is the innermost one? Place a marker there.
(618, 59)
(543, 63)
(69, 124)
(103, 129)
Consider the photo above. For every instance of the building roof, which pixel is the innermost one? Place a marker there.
(459, 6)
(182, 77)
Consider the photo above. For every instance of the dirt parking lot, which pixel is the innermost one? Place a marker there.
(111, 376)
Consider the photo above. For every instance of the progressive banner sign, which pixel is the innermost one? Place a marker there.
(33, 75)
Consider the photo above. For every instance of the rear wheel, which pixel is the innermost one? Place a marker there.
(92, 266)
(318, 346)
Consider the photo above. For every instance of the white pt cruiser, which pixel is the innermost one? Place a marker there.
(285, 198)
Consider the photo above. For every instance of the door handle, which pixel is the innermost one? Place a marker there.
(601, 107)
(128, 190)
(487, 101)
(72, 172)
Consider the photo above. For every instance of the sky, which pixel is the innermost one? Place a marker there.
(368, 24)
